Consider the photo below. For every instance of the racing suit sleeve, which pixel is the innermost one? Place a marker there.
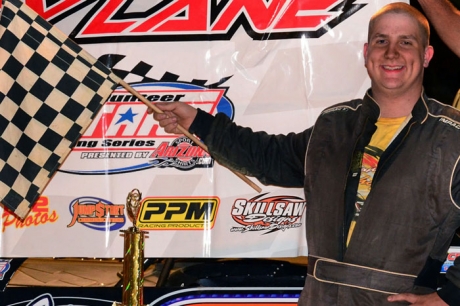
(450, 292)
(272, 159)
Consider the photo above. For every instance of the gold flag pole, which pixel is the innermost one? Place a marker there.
(184, 131)
(133, 260)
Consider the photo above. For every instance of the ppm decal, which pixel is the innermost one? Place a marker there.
(268, 214)
(179, 213)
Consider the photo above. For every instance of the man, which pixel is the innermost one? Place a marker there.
(380, 175)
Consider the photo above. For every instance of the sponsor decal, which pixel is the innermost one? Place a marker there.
(453, 253)
(131, 140)
(39, 214)
(178, 213)
(97, 214)
(268, 214)
(4, 267)
(195, 20)
(182, 153)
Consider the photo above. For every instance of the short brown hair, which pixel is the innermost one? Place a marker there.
(406, 9)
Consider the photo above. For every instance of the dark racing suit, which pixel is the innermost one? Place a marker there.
(408, 220)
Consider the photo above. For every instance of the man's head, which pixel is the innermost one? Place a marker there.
(403, 8)
(397, 50)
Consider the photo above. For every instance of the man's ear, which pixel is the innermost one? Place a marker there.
(429, 52)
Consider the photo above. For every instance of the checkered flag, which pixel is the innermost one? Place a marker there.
(50, 90)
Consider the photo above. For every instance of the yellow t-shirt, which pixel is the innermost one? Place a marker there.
(386, 130)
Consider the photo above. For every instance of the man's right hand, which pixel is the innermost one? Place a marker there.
(174, 114)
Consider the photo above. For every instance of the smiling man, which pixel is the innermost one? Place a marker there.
(381, 175)
(395, 56)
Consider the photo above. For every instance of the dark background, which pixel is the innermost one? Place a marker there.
(442, 77)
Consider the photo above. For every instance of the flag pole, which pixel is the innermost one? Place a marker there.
(184, 131)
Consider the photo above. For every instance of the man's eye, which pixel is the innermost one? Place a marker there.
(406, 43)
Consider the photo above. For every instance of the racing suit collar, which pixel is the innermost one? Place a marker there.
(419, 112)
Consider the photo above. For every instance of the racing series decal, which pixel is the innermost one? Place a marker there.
(129, 139)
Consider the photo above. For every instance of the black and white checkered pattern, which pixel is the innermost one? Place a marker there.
(50, 90)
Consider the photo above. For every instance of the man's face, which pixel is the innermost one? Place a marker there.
(395, 55)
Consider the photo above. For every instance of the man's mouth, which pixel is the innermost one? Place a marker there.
(392, 67)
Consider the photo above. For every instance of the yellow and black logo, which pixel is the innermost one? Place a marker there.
(178, 213)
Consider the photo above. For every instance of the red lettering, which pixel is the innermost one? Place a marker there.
(27, 222)
(181, 151)
(171, 152)
(36, 219)
(8, 219)
(37, 216)
(43, 219)
(160, 150)
(167, 20)
(197, 17)
(54, 10)
(99, 24)
(108, 125)
(315, 14)
(98, 127)
(41, 205)
(259, 13)
(192, 151)
(53, 217)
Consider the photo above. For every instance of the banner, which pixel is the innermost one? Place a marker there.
(272, 66)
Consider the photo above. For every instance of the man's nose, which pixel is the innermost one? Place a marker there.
(392, 51)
